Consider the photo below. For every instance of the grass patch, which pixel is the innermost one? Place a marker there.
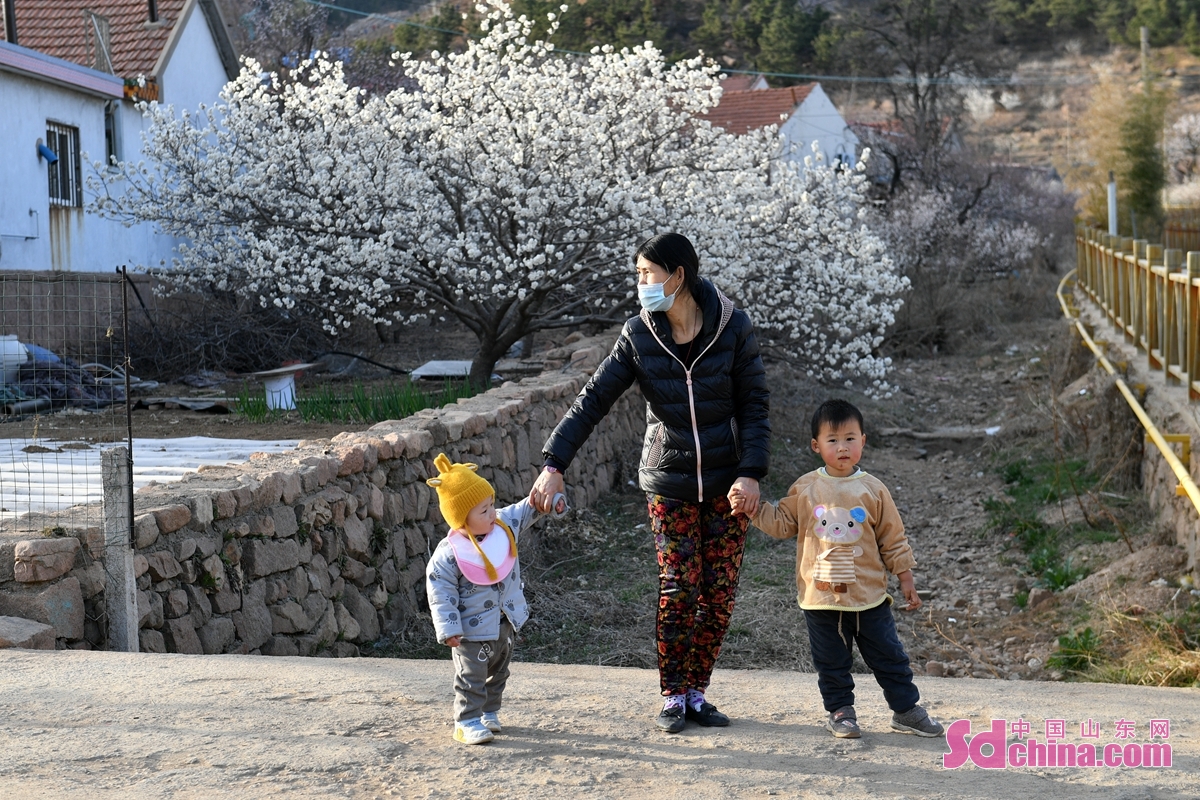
(1147, 650)
(1032, 485)
(1077, 652)
(361, 404)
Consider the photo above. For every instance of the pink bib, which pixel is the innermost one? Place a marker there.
(498, 549)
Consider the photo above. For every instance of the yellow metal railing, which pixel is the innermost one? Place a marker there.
(1162, 441)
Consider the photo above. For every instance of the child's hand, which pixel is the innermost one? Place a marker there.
(453, 641)
(909, 587)
(561, 506)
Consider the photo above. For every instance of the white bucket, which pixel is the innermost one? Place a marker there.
(12, 355)
(281, 392)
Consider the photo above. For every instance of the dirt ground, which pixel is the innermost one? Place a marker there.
(115, 725)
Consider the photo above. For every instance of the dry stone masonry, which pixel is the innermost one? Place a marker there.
(316, 551)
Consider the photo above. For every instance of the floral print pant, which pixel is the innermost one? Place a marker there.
(700, 548)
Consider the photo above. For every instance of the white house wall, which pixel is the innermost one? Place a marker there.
(818, 120)
(79, 241)
(194, 73)
(70, 239)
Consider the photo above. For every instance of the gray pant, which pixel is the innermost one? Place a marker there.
(480, 673)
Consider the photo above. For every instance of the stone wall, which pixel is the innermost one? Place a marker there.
(322, 549)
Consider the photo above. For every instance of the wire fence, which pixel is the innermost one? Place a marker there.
(63, 394)
(64, 402)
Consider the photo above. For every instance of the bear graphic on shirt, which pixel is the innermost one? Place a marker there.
(838, 529)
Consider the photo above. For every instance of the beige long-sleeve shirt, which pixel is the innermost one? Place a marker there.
(849, 536)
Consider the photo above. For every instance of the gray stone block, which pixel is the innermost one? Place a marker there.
(261, 558)
(202, 510)
(298, 583)
(358, 573)
(181, 637)
(347, 626)
(226, 600)
(364, 614)
(145, 531)
(288, 617)
(217, 635)
(60, 606)
(285, 521)
(25, 633)
(91, 580)
(280, 646)
(162, 566)
(185, 548)
(199, 605)
(176, 604)
(357, 535)
(318, 572)
(151, 641)
(253, 621)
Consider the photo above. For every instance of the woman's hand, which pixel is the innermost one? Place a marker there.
(544, 488)
(743, 496)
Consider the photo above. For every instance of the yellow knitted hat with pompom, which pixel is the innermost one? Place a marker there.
(459, 490)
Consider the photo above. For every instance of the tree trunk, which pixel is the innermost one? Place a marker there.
(482, 367)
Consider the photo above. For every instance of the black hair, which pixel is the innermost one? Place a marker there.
(672, 251)
(835, 414)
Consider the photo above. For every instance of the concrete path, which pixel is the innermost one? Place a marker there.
(112, 725)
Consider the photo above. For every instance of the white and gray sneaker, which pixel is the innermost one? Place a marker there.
(917, 720)
(491, 721)
(472, 731)
(844, 723)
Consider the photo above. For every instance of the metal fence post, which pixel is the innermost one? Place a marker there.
(120, 591)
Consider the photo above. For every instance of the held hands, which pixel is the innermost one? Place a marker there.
(910, 590)
(453, 641)
(544, 488)
(744, 497)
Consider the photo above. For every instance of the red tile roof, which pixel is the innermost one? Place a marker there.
(59, 28)
(739, 83)
(740, 112)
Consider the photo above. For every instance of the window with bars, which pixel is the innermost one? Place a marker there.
(112, 135)
(66, 184)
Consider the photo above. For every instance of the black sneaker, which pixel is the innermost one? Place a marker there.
(671, 719)
(707, 716)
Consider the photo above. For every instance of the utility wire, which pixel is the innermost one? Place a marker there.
(1085, 78)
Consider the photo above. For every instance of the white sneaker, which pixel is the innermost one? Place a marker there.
(491, 721)
(472, 731)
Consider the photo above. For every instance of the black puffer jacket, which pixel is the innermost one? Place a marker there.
(725, 406)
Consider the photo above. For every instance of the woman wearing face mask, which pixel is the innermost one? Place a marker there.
(696, 360)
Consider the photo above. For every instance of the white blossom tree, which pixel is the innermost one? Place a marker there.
(509, 191)
(1183, 148)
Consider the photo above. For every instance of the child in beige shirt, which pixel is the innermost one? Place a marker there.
(849, 537)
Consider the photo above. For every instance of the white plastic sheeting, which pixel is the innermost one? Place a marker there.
(47, 475)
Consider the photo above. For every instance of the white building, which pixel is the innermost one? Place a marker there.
(69, 80)
(803, 113)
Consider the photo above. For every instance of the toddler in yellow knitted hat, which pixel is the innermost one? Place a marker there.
(475, 591)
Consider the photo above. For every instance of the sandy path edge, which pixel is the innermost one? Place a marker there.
(107, 725)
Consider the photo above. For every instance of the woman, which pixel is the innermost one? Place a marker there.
(696, 361)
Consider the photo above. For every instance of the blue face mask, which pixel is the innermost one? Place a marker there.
(653, 298)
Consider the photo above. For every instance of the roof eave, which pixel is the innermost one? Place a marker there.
(39, 66)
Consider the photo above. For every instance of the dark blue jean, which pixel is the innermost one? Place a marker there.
(875, 632)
